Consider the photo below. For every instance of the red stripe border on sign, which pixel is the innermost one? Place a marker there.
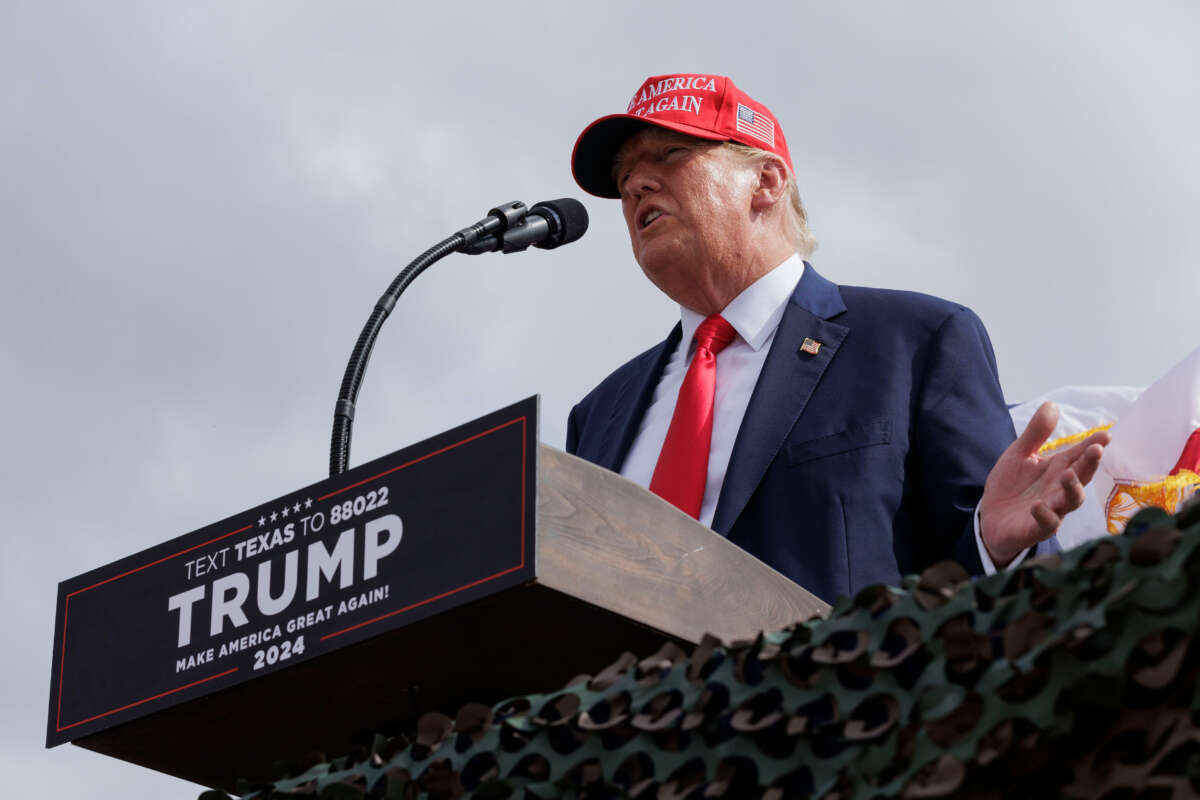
(523, 420)
(66, 615)
(519, 566)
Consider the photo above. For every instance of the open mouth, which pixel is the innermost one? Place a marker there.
(648, 217)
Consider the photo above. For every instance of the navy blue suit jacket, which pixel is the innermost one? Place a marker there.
(853, 466)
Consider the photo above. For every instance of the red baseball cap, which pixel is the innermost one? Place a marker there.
(704, 106)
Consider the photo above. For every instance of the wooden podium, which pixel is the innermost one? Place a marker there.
(614, 569)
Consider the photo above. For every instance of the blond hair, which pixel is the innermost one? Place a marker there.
(802, 237)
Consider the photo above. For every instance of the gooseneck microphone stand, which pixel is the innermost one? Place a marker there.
(510, 227)
(497, 220)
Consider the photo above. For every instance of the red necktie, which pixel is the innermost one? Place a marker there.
(682, 467)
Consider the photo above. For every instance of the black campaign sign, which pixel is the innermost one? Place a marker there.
(385, 544)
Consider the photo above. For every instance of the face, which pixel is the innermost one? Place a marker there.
(687, 204)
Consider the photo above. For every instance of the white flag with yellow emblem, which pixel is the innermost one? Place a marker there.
(1154, 456)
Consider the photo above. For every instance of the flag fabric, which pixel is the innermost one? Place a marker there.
(1154, 456)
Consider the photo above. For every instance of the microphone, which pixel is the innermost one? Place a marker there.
(549, 224)
(508, 227)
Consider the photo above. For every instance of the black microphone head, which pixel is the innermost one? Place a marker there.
(568, 220)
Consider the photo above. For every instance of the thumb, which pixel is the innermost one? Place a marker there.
(1040, 426)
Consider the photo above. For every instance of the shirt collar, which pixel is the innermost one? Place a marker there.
(755, 313)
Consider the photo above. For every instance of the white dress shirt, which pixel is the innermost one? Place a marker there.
(755, 315)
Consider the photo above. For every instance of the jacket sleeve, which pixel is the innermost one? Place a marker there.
(573, 431)
(961, 426)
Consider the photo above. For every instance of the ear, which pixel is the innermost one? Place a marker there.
(772, 185)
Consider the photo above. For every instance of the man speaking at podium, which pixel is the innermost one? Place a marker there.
(844, 435)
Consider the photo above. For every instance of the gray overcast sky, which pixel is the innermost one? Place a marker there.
(200, 205)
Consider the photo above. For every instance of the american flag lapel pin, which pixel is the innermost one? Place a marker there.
(810, 346)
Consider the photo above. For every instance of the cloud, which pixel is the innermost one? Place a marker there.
(201, 204)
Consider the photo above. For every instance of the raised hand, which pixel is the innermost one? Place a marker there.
(1026, 495)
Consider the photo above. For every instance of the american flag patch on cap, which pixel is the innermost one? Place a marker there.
(760, 126)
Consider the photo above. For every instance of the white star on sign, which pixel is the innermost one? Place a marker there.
(284, 513)
(308, 502)
(296, 508)
(262, 521)
(274, 516)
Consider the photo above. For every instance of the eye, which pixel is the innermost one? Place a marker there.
(620, 181)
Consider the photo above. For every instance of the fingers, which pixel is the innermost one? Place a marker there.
(1073, 452)
(1073, 493)
(1082, 458)
(1040, 426)
(1047, 521)
(1058, 504)
(1088, 462)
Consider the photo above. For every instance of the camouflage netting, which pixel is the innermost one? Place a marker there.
(1069, 677)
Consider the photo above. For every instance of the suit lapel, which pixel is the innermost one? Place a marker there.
(788, 379)
(631, 402)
